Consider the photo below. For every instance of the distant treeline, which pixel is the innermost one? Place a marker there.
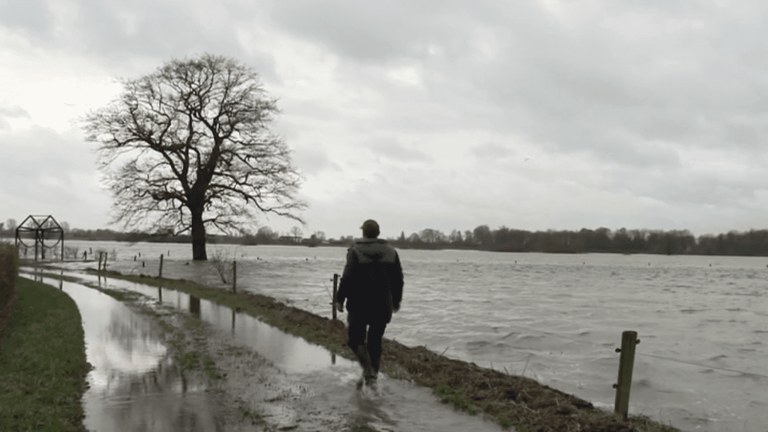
(263, 236)
(502, 239)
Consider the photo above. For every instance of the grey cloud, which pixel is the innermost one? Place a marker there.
(314, 160)
(41, 150)
(14, 112)
(394, 150)
(692, 188)
(368, 31)
(492, 151)
(32, 17)
(125, 36)
(566, 88)
(44, 167)
(604, 82)
(11, 112)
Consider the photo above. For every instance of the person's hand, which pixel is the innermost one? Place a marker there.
(339, 307)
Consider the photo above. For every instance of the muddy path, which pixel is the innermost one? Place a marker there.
(165, 360)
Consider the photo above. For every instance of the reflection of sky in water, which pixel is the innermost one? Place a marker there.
(127, 346)
(290, 353)
(117, 340)
(134, 385)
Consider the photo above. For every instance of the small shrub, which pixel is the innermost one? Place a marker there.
(71, 251)
(9, 269)
(222, 262)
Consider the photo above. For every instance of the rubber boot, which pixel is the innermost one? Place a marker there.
(369, 373)
(372, 377)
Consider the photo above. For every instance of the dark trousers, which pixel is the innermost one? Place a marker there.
(368, 354)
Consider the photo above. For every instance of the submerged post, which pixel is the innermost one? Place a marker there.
(234, 276)
(335, 290)
(626, 363)
(161, 266)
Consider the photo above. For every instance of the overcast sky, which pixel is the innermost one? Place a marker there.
(425, 114)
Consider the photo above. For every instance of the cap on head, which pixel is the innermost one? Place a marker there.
(370, 229)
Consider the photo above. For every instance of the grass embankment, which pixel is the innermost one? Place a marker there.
(42, 361)
(509, 399)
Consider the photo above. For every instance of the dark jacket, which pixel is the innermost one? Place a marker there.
(372, 283)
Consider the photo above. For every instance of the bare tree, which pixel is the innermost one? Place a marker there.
(189, 146)
(430, 235)
(296, 234)
(455, 237)
(319, 236)
(266, 235)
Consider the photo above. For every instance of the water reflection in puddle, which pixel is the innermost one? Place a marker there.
(289, 353)
(133, 385)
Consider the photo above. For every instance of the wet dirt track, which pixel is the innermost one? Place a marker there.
(272, 380)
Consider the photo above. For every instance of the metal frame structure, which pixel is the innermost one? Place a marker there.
(40, 228)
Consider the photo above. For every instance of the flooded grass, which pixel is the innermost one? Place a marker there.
(448, 395)
(511, 400)
(42, 362)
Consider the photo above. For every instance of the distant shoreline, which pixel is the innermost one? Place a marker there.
(753, 243)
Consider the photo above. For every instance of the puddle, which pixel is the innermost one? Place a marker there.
(133, 381)
(289, 353)
(134, 384)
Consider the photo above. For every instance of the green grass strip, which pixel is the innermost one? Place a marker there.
(42, 362)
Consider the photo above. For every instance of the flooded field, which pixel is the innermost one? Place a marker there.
(556, 318)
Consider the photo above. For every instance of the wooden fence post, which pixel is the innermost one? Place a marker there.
(234, 276)
(161, 266)
(626, 363)
(335, 291)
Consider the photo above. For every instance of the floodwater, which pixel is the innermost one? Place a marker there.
(135, 385)
(556, 318)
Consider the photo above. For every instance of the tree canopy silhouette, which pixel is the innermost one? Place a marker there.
(190, 147)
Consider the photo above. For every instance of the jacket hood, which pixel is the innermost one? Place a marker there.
(373, 249)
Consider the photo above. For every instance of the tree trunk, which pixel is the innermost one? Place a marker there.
(198, 236)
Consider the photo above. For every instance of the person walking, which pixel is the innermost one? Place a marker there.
(372, 286)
